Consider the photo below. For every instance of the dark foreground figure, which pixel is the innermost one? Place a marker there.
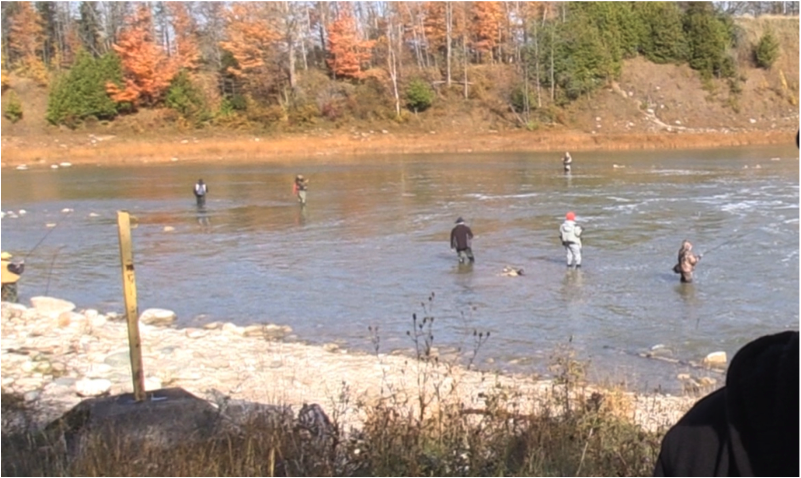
(747, 428)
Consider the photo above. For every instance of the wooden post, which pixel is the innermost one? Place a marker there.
(131, 310)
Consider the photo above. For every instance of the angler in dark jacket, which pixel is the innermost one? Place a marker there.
(747, 428)
(462, 241)
(200, 192)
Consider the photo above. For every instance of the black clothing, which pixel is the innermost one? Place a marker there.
(747, 428)
(461, 238)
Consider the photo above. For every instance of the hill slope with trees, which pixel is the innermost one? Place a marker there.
(320, 68)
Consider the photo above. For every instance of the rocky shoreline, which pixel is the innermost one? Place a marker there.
(54, 356)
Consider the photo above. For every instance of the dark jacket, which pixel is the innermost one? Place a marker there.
(747, 428)
(461, 237)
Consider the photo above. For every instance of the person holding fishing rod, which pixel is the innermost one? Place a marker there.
(10, 276)
(687, 262)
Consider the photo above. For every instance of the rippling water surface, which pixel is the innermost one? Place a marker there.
(372, 245)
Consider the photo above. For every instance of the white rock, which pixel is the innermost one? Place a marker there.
(50, 224)
(157, 317)
(168, 228)
(152, 383)
(752, 121)
(94, 214)
(677, 122)
(90, 313)
(98, 321)
(51, 306)
(54, 166)
(173, 159)
(22, 167)
(597, 118)
(22, 212)
(230, 328)
(31, 396)
(715, 358)
(185, 141)
(92, 387)
(67, 210)
(65, 164)
(98, 370)
(196, 333)
(27, 367)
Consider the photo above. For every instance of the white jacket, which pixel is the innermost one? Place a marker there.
(570, 233)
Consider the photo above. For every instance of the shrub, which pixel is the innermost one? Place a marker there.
(419, 95)
(766, 51)
(13, 109)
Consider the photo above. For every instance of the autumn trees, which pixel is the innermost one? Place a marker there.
(347, 51)
(265, 60)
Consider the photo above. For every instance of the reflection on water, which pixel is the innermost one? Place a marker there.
(372, 243)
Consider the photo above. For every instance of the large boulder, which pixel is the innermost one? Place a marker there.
(164, 419)
(51, 307)
(159, 317)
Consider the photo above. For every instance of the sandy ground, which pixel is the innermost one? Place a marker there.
(85, 148)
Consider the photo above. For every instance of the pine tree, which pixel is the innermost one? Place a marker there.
(346, 50)
(767, 50)
(148, 71)
(81, 93)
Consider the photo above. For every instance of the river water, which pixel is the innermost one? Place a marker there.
(372, 246)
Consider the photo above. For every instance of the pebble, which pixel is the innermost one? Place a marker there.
(715, 358)
(92, 387)
(32, 395)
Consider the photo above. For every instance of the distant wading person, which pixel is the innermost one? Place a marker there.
(462, 240)
(567, 160)
(299, 188)
(200, 192)
(687, 262)
(570, 235)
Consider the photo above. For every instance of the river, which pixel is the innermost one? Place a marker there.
(371, 247)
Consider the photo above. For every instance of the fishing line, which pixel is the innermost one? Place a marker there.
(43, 238)
(50, 272)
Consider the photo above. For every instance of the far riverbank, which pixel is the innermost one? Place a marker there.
(83, 147)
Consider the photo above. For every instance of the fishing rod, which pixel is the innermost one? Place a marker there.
(43, 238)
(728, 241)
(50, 272)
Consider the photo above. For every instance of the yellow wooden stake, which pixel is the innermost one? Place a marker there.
(132, 312)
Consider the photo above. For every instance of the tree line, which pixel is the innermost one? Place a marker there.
(296, 62)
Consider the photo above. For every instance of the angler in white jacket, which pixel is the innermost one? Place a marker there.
(570, 234)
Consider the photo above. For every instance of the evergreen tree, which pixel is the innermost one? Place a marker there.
(185, 98)
(767, 50)
(81, 93)
(13, 107)
(709, 37)
(419, 95)
(663, 39)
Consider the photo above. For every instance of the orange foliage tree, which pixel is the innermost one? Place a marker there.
(146, 67)
(252, 44)
(26, 41)
(346, 49)
(487, 18)
(187, 50)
